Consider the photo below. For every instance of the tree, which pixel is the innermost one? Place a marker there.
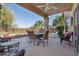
(6, 18)
(59, 21)
(60, 25)
(39, 24)
(54, 23)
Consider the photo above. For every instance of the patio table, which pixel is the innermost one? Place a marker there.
(8, 43)
(11, 36)
(39, 34)
(5, 39)
(11, 44)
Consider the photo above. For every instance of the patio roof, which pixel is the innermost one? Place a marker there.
(33, 8)
(52, 8)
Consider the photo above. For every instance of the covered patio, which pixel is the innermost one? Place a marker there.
(47, 9)
(53, 47)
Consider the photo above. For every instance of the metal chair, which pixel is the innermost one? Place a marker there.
(2, 50)
(32, 37)
(45, 37)
(67, 38)
(14, 47)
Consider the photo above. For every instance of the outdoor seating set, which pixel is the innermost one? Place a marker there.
(37, 38)
(10, 47)
(5, 39)
(66, 38)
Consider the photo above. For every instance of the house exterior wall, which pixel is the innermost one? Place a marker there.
(78, 24)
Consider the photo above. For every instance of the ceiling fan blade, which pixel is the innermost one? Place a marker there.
(41, 6)
(46, 9)
(50, 8)
(53, 7)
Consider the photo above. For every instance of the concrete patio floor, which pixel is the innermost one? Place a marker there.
(54, 48)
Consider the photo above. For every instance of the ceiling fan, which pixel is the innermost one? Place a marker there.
(48, 6)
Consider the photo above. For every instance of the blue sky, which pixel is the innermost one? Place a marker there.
(25, 18)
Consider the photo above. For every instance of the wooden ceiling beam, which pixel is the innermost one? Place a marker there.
(32, 8)
(61, 9)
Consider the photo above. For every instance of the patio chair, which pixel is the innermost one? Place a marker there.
(20, 53)
(14, 47)
(2, 49)
(41, 30)
(32, 37)
(67, 38)
(45, 37)
(55, 34)
(29, 34)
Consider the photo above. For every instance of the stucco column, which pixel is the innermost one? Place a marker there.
(46, 23)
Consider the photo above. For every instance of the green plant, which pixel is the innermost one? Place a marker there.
(6, 18)
(60, 30)
(59, 23)
(39, 24)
